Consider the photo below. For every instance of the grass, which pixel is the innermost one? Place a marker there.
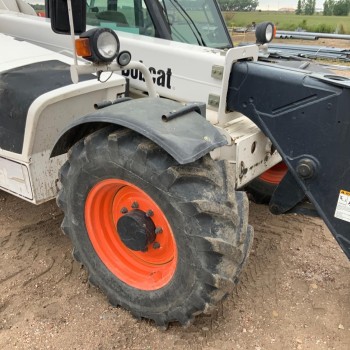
(290, 21)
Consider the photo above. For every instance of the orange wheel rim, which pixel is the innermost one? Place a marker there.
(106, 203)
(275, 174)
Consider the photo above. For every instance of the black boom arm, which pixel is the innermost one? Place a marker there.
(307, 118)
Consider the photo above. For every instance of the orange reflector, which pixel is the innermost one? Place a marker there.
(82, 47)
(274, 31)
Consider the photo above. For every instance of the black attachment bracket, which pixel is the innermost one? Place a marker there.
(307, 117)
(286, 196)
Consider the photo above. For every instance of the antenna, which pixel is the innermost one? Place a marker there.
(71, 25)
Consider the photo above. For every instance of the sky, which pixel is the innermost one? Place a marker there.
(276, 4)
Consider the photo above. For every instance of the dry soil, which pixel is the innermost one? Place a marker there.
(293, 294)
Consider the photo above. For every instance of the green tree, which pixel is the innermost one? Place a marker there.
(310, 7)
(299, 9)
(225, 5)
(238, 5)
(341, 8)
(328, 6)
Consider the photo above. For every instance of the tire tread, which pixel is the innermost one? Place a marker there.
(223, 236)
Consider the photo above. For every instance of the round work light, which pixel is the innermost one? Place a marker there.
(265, 32)
(98, 45)
(124, 58)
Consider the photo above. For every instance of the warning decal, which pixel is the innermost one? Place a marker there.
(342, 211)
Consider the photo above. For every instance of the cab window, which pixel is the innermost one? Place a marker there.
(123, 15)
(190, 21)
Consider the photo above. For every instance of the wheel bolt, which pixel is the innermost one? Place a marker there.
(123, 210)
(134, 205)
(158, 230)
(149, 213)
(156, 245)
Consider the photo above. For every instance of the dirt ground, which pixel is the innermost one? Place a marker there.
(293, 294)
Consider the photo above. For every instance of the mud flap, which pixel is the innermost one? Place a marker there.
(307, 118)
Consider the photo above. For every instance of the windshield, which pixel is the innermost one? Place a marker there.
(190, 21)
(196, 22)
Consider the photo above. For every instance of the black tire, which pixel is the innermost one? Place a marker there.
(208, 218)
(260, 191)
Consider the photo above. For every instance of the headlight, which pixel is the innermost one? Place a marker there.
(265, 32)
(124, 58)
(98, 45)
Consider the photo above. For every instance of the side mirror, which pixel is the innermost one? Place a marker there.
(60, 19)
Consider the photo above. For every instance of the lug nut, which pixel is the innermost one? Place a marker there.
(149, 213)
(156, 245)
(123, 210)
(134, 205)
(158, 230)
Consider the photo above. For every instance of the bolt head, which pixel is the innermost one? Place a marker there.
(158, 230)
(306, 168)
(274, 209)
(156, 245)
(134, 205)
(124, 210)
(149, 213)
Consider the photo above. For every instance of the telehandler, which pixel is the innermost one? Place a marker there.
(148, 165)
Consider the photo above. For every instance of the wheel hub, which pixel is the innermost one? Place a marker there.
(143, 254)
(136, 230)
